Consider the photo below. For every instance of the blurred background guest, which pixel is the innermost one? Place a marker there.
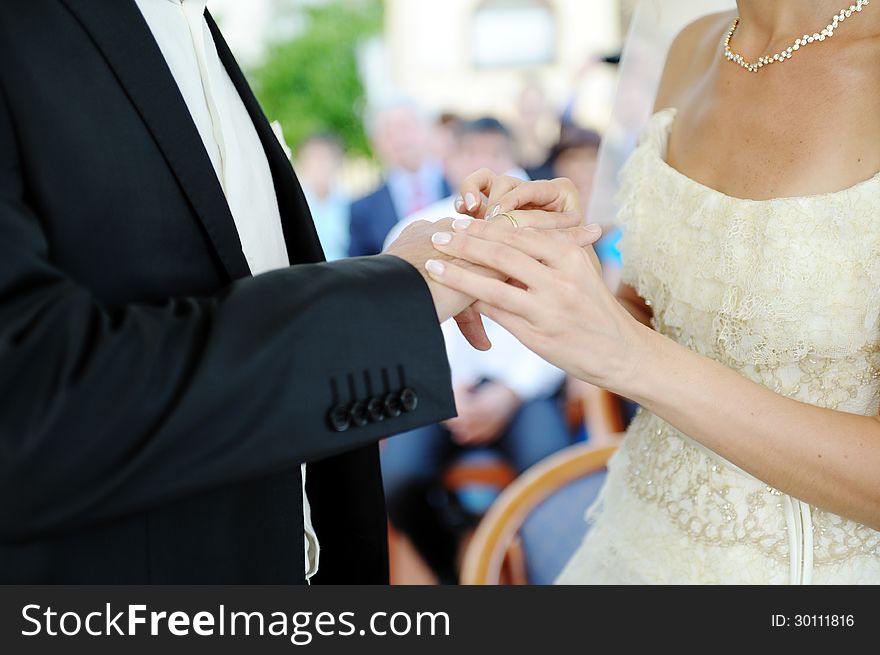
(318, 164)
(482, 143)
(444, 139)
(506, 397)
(574, 156)
(535, 125)
(413, 178)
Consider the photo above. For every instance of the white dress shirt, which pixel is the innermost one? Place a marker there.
(508, 361)
(233, 146)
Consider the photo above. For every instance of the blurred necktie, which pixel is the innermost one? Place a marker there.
(419, 199)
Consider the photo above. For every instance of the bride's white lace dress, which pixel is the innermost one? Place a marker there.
(784, 291)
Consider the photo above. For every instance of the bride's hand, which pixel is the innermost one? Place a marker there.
(484, 194)
(562, 309)
(557, 200)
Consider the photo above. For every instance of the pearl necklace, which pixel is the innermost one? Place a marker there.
(782, 55)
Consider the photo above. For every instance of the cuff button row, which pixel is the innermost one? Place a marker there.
(357, 414)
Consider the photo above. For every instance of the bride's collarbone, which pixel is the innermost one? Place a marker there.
(770, 150)
(803, 130)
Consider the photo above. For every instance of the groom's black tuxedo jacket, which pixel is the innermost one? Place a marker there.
(155, 400)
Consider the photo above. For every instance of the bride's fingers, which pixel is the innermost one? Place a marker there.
(482, 206)
(479, 187)
(474, 193)
(492, 291)
(559, 195)
(515, 253)
(501, 186)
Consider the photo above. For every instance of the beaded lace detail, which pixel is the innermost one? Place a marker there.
(784, 291)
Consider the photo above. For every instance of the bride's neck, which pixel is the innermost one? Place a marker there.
(781, 19)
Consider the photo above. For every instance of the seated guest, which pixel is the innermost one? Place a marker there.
(535, 124)
(575, 156)
(401, 138)
(504, 397)
(318, 163)
(444, 138)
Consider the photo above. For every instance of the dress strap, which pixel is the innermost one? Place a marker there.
(655, 133)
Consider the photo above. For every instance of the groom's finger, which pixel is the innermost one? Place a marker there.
(470, 323)
(514, 324)
(480, 208)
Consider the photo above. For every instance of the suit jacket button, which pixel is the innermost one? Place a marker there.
(338, 418)
(376, 409)
(409, 400)
(392, 405)
(358, 413)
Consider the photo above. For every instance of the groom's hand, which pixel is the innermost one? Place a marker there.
(414, 246)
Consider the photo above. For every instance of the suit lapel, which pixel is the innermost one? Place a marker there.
(120, 32)
(302, 241)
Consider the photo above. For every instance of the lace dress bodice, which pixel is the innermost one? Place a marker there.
(787, 293)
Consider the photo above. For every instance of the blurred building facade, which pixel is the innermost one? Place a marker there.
(473, 56)
(522, 61)
(480, 54)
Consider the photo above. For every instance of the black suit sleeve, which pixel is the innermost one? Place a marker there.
(107, 410)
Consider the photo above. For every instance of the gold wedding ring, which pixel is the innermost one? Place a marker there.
(510, 218)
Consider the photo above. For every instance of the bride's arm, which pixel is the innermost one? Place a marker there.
(824, 457)
(566, 314)
(632, 302)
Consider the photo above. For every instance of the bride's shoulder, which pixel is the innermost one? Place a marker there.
(690, 55)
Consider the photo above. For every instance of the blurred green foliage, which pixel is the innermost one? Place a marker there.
(310, 82)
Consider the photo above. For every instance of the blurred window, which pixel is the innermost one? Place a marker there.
(513, 33)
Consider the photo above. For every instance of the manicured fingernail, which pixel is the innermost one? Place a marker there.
(441, 238)
(471, 201)
(459, 204)
(435, 267)
(495, 211)
(462, 224)
(593, 227)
